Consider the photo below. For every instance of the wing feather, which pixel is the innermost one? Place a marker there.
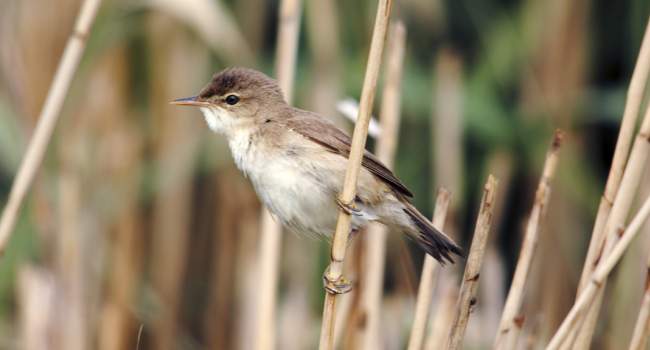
(325, 133)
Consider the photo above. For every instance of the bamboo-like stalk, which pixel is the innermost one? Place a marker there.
(447, 131)
(467, 295)
(642, 327)
(372, 286)
(429, 269)
(48, 118)
(620, 209)
(506, 338)
(335, 270)
(588, 297)
(625, 135)
(271, 232)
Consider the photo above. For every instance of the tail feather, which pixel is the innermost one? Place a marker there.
(432, 240)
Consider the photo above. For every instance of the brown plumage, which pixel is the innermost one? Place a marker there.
(296, 161)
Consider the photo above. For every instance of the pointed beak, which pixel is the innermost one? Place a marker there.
(189, 101)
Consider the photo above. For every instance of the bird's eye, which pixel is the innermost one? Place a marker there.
(232, 99)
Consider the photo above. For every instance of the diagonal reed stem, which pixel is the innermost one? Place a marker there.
(467, 294)
(335, 270)
(271, 232)
(506, 338)
(48, 118)
(626, 133)
(588, 297)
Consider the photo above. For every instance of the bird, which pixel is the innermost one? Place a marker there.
(296, 161)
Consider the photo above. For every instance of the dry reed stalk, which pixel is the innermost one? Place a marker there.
(506, 337)
(429, 269)
(467, 295)
(47, 118)
(335, 270)
(175, 144)
(588, 297)
(214, 23)
(626, 132)
(36, 293)
(322, 33)
(642, 326)
(447, 132)
(271, 232)
(619, 212)
(373, 283)
(445, 312)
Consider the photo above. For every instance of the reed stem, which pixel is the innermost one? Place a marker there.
(271, 232)
(335, 270)
(386, 147)
(506, 338)
(48, 118)
(467, 294)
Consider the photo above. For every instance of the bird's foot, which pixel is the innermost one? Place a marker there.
(337, 286)
(348, 208)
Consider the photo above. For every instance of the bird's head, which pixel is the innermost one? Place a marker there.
(234, 97)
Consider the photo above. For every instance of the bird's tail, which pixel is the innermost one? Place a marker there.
(432, 240)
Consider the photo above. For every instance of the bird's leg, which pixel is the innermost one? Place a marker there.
(348, 208)
(338, 286)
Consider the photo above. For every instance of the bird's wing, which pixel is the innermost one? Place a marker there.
(323, 132)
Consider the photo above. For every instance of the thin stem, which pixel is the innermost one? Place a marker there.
(642, 327)
(626, 133)
(48, 118)
(386, 146)
(506, 339)
(467, 295)
(271, 232)
(587, 297)
(429, 269)
(335, 270)
(620, 210)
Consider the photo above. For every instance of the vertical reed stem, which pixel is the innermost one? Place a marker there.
(271, 233)
(335, 270)
(467, 295)
(386, 146)
(429, 269)
(506, 339)
(48, 118)
(642, 327)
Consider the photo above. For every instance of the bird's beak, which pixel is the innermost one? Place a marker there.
(190, 101)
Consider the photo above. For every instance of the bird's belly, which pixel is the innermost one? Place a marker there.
(297, 198)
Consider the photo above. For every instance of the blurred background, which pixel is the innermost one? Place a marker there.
(140, 232)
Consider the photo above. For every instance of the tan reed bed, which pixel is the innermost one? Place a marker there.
(271, 230)
(469, 285)
(335, 270)
(642, 327)
(375, 255)
(509, 325)
(589, 296)
(626, 133)
(427, 279)
(48, 118)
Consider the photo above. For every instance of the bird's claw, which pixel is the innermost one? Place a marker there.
(338, 286)
(348, 208)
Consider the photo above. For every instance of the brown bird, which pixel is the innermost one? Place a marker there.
(297, 160)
